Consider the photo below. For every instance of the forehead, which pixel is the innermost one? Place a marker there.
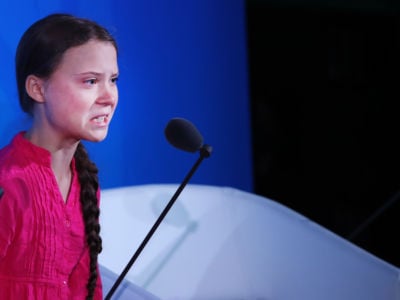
(92, 56)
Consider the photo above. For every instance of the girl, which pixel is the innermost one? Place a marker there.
(66, 69)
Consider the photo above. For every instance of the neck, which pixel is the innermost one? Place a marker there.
(62, 151)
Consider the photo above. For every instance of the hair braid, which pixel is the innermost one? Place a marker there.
(87, 174)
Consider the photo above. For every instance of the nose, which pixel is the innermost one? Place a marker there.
(108, 94)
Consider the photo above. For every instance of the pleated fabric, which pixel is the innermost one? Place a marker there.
(43, 252)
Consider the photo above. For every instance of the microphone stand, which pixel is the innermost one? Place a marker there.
(205, 151)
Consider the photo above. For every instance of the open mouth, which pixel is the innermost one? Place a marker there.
(101, 120)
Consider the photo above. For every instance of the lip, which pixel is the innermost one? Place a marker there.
(101, 120)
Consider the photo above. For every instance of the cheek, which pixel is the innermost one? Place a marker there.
(115, 97)
(69, 104)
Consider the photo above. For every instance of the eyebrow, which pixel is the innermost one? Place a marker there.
(94, 73)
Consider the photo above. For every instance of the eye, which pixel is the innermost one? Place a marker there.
(91, 81)
(114, 79)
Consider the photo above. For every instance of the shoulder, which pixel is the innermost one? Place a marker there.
(12, 171)
(10, 163)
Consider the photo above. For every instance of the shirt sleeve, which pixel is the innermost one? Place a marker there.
(7, 221)
(13, 202)
(98, 292)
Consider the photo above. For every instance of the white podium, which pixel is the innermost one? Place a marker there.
(223, 243)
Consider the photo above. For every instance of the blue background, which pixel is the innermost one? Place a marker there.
(177, 59)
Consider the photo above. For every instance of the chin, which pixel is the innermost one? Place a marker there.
(97, 140)
(97, 137)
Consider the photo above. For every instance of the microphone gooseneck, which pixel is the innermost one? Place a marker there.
(183, 135)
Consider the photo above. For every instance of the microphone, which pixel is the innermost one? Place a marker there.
(183, 135)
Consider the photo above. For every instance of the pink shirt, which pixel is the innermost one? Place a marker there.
(43, 253)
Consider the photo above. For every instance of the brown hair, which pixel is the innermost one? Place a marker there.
(88, 179)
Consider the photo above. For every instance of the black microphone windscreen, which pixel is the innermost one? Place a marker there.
(183, 135)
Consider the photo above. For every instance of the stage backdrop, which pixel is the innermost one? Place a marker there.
(177, 59)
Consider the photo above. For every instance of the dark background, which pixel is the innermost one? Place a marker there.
(324, 88)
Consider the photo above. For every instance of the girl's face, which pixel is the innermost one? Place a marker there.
(80, 97)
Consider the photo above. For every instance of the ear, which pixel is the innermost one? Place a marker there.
(34, 88)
